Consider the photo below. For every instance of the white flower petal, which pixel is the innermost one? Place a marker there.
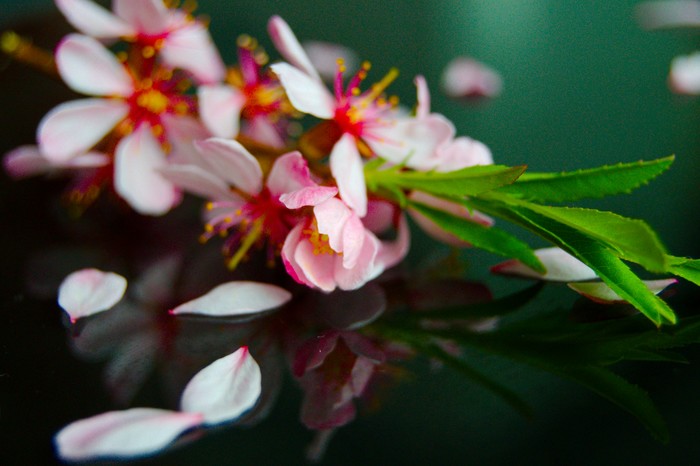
(602, 293)
(220, 109)
(90, 18)
(192, 49)
(225, 389)
(134, 432)
(150, 17)
(137, 163)
(347, 169)
(25, 161)
(684, 77)
(232, 162)
(305, 93)
(423, 97)
(560, 265)
(324, 58)
(196, 180)
(89, 291)
(74, 127)
(88, 67)
(236, 298)
(289, 47)
(466, 77)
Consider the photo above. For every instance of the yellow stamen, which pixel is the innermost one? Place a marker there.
(154, 101)
(250, 238)
(379, 87)
(148, 52)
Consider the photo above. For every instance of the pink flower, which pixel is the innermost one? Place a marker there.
(138, 112)
(467, 78)
(232, 179)
(173, 35)
(335, 250)
(361, 123)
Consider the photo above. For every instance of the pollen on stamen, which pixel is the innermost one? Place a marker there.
(148, 52)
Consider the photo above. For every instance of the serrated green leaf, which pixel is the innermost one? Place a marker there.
(685, 268)
(590, 250)
(589, 183)
(630, 239)
(488, 238)
(459, 183)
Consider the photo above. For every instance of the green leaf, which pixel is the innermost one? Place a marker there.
(630, 239)
(590, 183)
(459, 183)
(685, 268)
(488, 238)
(589, 249)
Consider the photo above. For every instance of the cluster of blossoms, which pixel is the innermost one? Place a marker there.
(165, 117)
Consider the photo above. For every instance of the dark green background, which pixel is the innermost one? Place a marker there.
(583, 86)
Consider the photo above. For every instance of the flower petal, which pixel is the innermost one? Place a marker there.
(150, 17)
(462, 152)
(560, 265)
(220, 109)
(191, 48)
(89, 68)
(305, 93)
(602, 293)
(236, 298)
(225, 389)
(289, 47)
(289, 173)
(668, 14)
(196, 180)
(89, 291)
(74, 127)
(134, 432)
(331, 217)
(324, 58)
(466, 77)
(25, 161)
(309, 196)
(91, 19)
(392, 252)
(230, 160)
(423, 97)
(366, 267)
(684, 77)
(347, 169)
(137, 163)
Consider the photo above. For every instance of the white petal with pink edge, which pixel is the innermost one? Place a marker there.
(25, 161)
(225, 389)
(89, 291)
(466, 77)
(89, 68)
(191, 48)
(196, 180)
(684, 77)
(236, 298)
(231, 161)
(149, 17)
(133, 432)
(347, 169)
(290, 172)
(561, 267)
(309, 196)
(392, 252)
(289, 47)
(423, 97)
(602, 293)
(305, 93)
(137, 163)
(220, 109)
(331, 217)
(93, 20)
(462, 152)
(72, 128)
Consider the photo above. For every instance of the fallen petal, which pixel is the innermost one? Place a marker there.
(90, 291)
(602, 293)
(225, 389)
(134, 432)
(236, 298)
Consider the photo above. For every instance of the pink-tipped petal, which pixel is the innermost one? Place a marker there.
(73, 127)
(150, 17)
(423, 97)
(466, 77)
(331, 217)
(89, 68)
(261, 129)
(305, 93)
(462, 152)
(89, 291)
(220, 109)
(366, 267)
(602, 293)
(134, 432)
(289, 47)
(25, 161)
(138, 160)
(230, 160)
(392, 252)
(684, 77)
(225, 389)
(236, 298)
(191, 48)
(290, 172)
(309, 196)
(561, 267)
(317, 270)
(354, 235)
(90, 18)
(347, 169)
(196, 180)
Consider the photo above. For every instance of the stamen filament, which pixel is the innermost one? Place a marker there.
(249, 239)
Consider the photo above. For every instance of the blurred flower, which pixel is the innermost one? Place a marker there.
(465, 77)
